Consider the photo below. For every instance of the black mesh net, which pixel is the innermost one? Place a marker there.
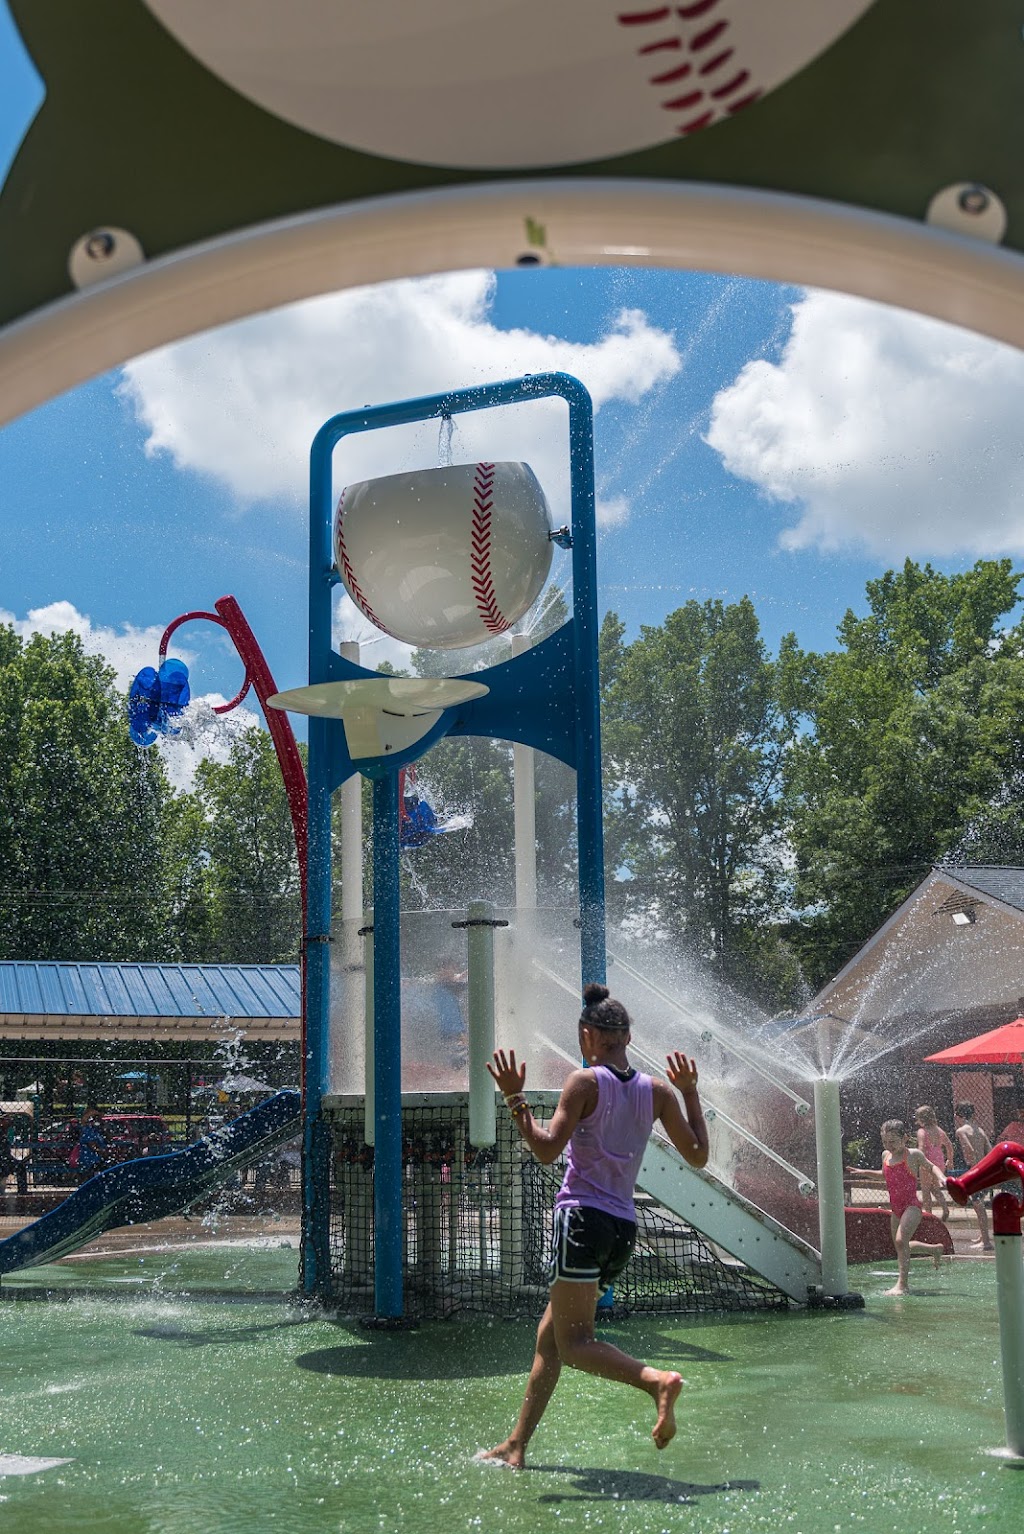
(477, 1228)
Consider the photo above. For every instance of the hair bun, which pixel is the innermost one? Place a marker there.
(592, 994)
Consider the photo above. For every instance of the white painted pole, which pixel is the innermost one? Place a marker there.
(369, 1095)
(828, 1134)
(524, 810)
(480, 1004)
(347, 1049)
(351, 793)
(1010, 1299)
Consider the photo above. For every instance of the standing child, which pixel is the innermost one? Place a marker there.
(903, 1167)
(92, 1144)
(938, 1147)
(605, 1116)
(973, 1143)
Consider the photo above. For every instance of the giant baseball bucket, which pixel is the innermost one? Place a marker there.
(445, 558)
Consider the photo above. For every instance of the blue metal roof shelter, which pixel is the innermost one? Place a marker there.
(198, 1001)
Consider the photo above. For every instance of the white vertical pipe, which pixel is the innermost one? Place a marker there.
(351, 796)
(369, 1096)
(828, 1134)
(353, 949)
(524, 809)
(1010, 1299)
(480, 1005)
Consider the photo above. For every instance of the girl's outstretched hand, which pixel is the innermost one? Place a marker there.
(682, 1072)
(510, 1077)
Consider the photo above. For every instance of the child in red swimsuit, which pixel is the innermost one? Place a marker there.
(903, 1168)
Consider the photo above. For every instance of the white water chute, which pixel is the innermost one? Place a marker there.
(828, 1135)
(480, 1002)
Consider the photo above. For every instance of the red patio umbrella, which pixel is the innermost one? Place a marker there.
(1000, 1046)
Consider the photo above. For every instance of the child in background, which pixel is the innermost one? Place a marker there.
(973, 1143)
(903, 1168)
(936, 1145)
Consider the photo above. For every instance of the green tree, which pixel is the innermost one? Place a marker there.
(251, 883)
(83, 812)
(917, 733)
(698, 722)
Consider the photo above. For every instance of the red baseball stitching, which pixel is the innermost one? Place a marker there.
(713, 101)
(351, 581)
(481, 578)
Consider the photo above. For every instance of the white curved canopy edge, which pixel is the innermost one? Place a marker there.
(586, 223)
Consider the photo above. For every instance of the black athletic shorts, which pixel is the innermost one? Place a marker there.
(589, 1246)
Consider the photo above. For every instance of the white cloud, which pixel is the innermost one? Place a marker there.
(888, 431)
(241, 404)
(127, 649)
(612, 511)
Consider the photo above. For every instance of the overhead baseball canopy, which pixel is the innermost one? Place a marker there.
(193, 162)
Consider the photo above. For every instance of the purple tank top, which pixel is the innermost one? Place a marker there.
(606, 1149)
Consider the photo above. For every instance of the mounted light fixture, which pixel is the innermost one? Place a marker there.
(960, 908)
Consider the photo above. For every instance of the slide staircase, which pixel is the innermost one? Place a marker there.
(153, 1186)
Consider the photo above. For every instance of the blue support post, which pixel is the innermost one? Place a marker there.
(316, 1152)
(315, 1265)
(589, 816)
(325, 741)
(388, 1219)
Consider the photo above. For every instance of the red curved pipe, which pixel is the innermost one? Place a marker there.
(229, 616)
(1002, 1162)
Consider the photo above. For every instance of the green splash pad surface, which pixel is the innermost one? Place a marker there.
(182, 1415)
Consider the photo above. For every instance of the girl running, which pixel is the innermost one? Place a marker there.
(903, 1168)
(605, 1116)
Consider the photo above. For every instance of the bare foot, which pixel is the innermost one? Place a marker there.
(664, 1430)
(899, 1289)
(507, 1453)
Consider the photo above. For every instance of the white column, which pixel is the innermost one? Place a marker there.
(828, 1135)
(1010, 1299)
(524, 809)
(351, 793)
(480, 1006)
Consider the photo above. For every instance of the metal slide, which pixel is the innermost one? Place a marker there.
(153, 1186)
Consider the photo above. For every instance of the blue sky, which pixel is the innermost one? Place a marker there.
(750, 439)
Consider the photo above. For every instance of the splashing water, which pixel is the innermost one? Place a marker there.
(445, 440)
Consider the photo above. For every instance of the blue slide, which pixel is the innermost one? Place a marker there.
(153, 1186)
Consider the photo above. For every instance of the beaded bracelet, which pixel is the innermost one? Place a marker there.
(516, 1104)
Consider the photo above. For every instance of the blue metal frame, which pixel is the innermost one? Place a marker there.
(547, 698)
